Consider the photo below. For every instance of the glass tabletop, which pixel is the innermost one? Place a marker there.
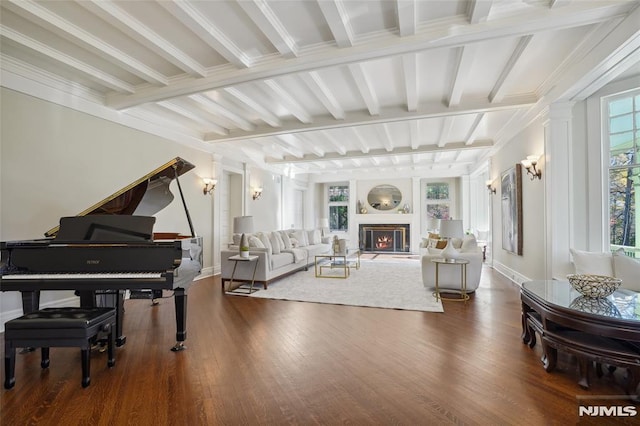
(622, 304)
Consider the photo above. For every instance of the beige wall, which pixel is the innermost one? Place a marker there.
(56, 162)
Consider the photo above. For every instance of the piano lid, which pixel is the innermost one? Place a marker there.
(145, 197)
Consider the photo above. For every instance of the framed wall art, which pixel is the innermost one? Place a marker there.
(511, 187)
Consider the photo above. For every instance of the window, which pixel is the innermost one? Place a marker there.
(623, 131)
(437, 200)
(338, 208)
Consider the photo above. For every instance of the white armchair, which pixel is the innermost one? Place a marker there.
(449, 279)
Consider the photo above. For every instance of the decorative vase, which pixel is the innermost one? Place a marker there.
(244, 246)
(449, 253)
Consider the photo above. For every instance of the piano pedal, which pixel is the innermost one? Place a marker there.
(155, 302)
(179, 346)
(27, 350)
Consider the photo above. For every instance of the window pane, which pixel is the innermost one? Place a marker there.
(621, 141)
(621, 124)
(621, 106)
(338, 193)
(621, 158)
(437, 191)
(622, 206)
(338, 218)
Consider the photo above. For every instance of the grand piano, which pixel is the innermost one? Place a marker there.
(110, 248)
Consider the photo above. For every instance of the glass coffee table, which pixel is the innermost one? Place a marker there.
(341, 262)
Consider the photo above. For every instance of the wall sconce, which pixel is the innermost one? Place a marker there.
(257, 192)
(530, 164)
(209, 185)
(490, 186)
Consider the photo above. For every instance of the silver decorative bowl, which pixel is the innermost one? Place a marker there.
(594, 285)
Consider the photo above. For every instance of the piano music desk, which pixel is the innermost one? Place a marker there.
(236, 259)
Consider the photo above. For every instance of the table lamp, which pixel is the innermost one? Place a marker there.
(243, 225)
(323, 224)
(450, 229)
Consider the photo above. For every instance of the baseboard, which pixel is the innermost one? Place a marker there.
(509, 273)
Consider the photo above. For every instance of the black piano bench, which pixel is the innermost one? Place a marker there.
(59, 327)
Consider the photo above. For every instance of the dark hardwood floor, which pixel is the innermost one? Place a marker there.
(256, 361)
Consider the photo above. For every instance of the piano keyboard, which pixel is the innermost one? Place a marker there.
(84, 276)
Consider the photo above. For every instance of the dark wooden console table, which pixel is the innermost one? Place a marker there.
(605, 331)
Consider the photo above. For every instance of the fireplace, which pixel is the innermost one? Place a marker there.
(381, 238)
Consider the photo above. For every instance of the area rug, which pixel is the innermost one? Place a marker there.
(377, 284)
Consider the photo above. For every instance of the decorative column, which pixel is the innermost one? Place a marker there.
(558, 184)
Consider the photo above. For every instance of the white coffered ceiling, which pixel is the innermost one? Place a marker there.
(316, 86)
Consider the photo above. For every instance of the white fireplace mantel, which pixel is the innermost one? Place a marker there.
(412, 219)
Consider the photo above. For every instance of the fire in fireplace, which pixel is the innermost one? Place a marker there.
(385, 238)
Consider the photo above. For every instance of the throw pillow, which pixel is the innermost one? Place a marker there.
(294, 242)
(285, 239)
(275, 243)
(441, 244)
(255, 242)
(627, 269)
(301, 236)
(596, 263)
(434, 236)
(280, 240)
(313, 237)
(265, 240)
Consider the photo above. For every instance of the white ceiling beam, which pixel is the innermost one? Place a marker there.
(445, 131)
(365, 88)
(192, 115)
(414, 134)
(406, 17)
(358, 118)
(387, 139)
(338, 146)
(359, 140)
(289, 102)
(320, 89)
(429, 38)
(473, 130)
(479, 10)
(462, 71)
(249, 102)
(338, 21)
(265, 18)
(215, 38)
(499, 89)
(58, 25)
(197, 108)
(284, 142)
(215, 108)
(119, 18)
(410, 70)
(399, 151)
(89, 71)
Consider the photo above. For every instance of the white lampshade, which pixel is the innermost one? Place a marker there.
(323, 222)
(433, 224)
(451, 228)
(243, 225)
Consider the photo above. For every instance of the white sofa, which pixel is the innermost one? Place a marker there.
(279, 253)
(449, 276)
(616, 264)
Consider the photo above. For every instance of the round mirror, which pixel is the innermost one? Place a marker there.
(384, 197)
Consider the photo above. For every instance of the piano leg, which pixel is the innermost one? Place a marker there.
(30, 303)
(180, 299)
(107, 299)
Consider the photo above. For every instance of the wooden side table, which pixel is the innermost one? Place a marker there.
(463, 278)
(237, 258)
